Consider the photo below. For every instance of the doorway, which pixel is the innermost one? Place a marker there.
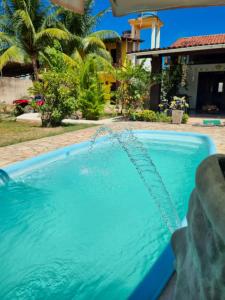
(211, 92)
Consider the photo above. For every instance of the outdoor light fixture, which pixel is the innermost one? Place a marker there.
(123, 7)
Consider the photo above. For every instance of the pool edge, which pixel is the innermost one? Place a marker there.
(64, 152)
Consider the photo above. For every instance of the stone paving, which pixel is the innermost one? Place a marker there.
(19, 152)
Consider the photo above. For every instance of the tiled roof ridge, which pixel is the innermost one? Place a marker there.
(218, 38)
(203, 35)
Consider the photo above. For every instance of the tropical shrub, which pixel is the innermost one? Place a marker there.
(60, 91)
(150, 116)
(163, 117)
(134, 86)
(171, 78)
(59, 87)
(144, 115)
(185, 119)
(91, 100)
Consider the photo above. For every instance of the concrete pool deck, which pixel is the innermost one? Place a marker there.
(18, 152)
(22, 151)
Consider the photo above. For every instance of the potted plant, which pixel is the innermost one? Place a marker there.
(178, 106)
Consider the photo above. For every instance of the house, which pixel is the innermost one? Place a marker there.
(202, 60)
(130, 41)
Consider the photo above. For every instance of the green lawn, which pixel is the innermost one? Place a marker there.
(12, 132)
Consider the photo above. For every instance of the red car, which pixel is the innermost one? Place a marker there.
(25, 105)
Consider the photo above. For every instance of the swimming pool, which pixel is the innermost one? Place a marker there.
(81, 225)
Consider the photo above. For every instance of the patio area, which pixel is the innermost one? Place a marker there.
(25, 150)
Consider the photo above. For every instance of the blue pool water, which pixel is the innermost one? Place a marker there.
(84, 227)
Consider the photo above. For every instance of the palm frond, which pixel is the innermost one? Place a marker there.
(5, 38)
(105, 34)
(77, 57)
(11, 54)
(104, 54)
(70, 62)
(92, 41)
(53, 33)
(23, 16)
(98, 63)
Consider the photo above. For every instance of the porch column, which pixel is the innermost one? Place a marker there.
(133, 59)
(155, 90)
(153, 36)
(158, 38)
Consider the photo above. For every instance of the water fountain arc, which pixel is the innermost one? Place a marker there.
(144, 165)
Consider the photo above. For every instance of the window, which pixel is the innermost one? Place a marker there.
(220, 87)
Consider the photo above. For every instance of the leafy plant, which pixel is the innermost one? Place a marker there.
(134, 86)
(185, 118)
(163, 117)
(171, 80)
(150, 116)
(91, 101)
(144, 115)
(178, 103)
(60, 88)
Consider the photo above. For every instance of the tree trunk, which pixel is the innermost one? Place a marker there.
(35, 67)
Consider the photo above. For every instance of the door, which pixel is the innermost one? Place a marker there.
(211, 91)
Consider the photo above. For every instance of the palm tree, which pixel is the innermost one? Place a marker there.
(25, 30)
(81, 27)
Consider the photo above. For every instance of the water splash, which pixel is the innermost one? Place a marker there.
(147, 170)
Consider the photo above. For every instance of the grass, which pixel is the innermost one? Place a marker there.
(12, 132)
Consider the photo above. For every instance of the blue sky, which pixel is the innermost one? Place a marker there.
(178, 23)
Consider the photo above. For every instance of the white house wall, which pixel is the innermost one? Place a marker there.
(192, 79)
(13, 88)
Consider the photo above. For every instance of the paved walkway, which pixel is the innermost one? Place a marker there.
(18, 152)
(36, 118)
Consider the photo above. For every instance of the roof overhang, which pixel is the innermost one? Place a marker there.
(124, 7)
(177, 51)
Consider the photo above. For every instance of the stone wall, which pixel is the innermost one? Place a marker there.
(13, 88)
(200, 247)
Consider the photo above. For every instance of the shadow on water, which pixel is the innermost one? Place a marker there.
(4, 177)
(157, 277)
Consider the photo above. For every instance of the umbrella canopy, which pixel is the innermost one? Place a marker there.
(123, 7)
(75, 5)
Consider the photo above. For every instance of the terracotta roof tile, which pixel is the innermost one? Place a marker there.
(199, 41)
